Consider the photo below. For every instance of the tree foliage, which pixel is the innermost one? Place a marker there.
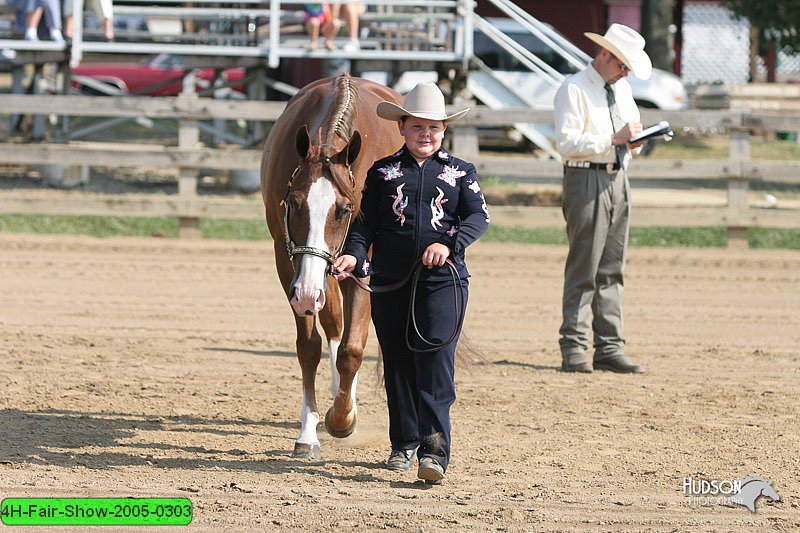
(778, 20)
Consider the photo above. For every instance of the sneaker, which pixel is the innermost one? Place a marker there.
(31, 35)
(351, 46)
(430, 471)
(56, 36)
(401, 460)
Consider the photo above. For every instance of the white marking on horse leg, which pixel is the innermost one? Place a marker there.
(333, 345)
(308, 424)
(353, 392)
(309, 294)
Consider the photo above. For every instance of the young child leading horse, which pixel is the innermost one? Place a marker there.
(420, 205)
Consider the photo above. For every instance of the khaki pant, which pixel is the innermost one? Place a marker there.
(596, 206)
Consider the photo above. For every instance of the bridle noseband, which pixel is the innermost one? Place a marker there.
(293, 249)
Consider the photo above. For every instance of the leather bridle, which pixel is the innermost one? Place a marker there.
(293, 249)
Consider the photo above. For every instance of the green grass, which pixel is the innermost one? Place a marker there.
(769, 238)
(257, 230)
(241, 230)
(518, 234)
(131, 226)
(93, 226)
(679, 237)
(639, 237)
(717, 147)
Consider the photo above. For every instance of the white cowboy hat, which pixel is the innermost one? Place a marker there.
(628, 46)
(425, 101)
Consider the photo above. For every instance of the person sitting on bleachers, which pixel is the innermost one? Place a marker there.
(104, 10)
(351, 11)
(319, 19)
(32, 13)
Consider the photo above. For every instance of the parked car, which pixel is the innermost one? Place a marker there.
(159, 75)
(513, 84)
(663, 90)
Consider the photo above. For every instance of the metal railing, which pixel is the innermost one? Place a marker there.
(272, 33)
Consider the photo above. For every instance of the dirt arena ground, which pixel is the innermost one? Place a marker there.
(144, 367)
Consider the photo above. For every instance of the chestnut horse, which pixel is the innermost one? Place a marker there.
(313, 169)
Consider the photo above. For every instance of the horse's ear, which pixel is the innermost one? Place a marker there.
(353, 148)
(302, 142)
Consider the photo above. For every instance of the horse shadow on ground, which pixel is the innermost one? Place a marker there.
(506, 362)
(66, 439)
(270, 353)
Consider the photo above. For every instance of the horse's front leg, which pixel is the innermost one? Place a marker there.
(309, 349)
(340, 420)
(330, 318)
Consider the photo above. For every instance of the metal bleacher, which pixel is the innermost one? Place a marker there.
(402, 35)
(411, 30)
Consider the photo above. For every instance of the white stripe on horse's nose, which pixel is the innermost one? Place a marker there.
(309, 284)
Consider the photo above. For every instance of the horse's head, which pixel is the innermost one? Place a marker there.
(752, 487)
(318, 208)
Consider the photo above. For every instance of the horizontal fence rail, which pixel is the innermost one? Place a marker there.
(189, 155)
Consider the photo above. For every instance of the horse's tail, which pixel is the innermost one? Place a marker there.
(467, 355)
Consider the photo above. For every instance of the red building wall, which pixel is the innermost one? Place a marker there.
(570, 17)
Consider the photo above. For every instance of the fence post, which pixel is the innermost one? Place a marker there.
(463, 139)
(188, 137)
(739, 151)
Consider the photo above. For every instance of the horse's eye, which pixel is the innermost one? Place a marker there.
(342, 210)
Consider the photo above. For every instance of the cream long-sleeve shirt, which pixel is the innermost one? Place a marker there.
(582, 121)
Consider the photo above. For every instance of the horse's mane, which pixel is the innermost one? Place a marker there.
(340, 119)
(341, 114)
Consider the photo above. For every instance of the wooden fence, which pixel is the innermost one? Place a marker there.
(738, 170)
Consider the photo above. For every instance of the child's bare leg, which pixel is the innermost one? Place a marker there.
(312, 28)
(108, 29)
(329, 31)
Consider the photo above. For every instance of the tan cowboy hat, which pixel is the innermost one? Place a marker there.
(628, 46)
(425, 101)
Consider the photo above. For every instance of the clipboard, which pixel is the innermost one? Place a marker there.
(656, 130)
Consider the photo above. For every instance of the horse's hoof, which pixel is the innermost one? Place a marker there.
(336, 432)
(305, 451)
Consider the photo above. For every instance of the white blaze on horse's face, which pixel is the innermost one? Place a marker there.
(309, 282)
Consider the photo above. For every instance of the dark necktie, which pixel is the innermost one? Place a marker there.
(616, 122)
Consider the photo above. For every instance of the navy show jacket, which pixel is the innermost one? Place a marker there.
(406, 207)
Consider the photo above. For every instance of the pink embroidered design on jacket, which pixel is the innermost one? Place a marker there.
(391, 171)
(365, 267)
(400, 203)
(450, 174)
(476, 188)
(437, 211)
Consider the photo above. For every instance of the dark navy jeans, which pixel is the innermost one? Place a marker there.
(420, 386)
